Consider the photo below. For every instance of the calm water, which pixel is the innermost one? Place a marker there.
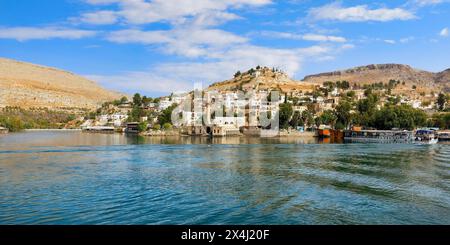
(76, 178)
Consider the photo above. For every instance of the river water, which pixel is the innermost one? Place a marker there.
(77, 178)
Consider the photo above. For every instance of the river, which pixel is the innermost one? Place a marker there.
(78, 178)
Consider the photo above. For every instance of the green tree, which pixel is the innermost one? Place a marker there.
(135, 114)
(327, 117)
(440, 120)
(345, 85)
(124, 99)
(167, 126)
(296, 120)
(403, 117)
(366, 108)
(137, 99)
(285, 113)
(351, 94)
(343, 114)
(308, 117)
(166, 115)
(12, 123)
(142, 127)
(146, 100)
(441, 101)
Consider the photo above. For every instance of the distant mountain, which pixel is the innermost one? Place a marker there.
(27, 85)
(443, 77)
(385, 72)
(262, 78)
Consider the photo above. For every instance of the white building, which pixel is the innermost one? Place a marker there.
(165, 103)
(230, 122)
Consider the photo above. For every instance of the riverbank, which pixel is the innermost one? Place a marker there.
(51, 130)
(160, 133)
(285, 133)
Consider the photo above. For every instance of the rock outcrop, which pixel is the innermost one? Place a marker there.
(383, 73)
(262, 78)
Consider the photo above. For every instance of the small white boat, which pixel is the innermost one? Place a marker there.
(426, 137)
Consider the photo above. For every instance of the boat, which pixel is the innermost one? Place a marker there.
(426, 136)
(324, 131)
(443, 136)
(379, 136)
(3, 130)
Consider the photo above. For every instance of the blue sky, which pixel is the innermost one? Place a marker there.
(158, 46)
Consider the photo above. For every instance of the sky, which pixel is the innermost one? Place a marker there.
(156, 47)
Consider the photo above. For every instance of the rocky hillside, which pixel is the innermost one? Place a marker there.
(27, 85)
(385, 72)
(443, 78)
(262, 78)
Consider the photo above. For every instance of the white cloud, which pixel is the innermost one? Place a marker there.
(317, 37)
(165, 78)
(422, 3)
(184, 42)
(34, 33)
(406, 39)
(208, 54)
(200, 12)
(390, 41)
(444, 32)
(99, 18)
(306, 37)
(335, 11)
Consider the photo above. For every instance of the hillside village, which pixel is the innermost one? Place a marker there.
(236, 107)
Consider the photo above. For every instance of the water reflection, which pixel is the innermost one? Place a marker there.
(75, 178)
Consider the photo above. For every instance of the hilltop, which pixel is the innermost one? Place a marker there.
(262, 78)
(27, 85)
(383, 73)
(266, 78)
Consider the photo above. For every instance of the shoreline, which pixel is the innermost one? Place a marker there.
(50, 130)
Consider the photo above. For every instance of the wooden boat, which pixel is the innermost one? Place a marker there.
(324, 132)
(379, 136)
(337, 134)
(425, 136)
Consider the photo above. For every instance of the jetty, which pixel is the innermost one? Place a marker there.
(99, 129)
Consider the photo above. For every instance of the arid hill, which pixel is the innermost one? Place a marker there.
(385, 72)
(443, 78)
(260, 79)
(27, 85)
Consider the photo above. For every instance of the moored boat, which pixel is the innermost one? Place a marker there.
(443, 136)
(425, 136)
(324, 131)
(3, 130)
(379, 136)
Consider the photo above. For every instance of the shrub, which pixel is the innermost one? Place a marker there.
(167, 126)
(142, 127)
(156, 127)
